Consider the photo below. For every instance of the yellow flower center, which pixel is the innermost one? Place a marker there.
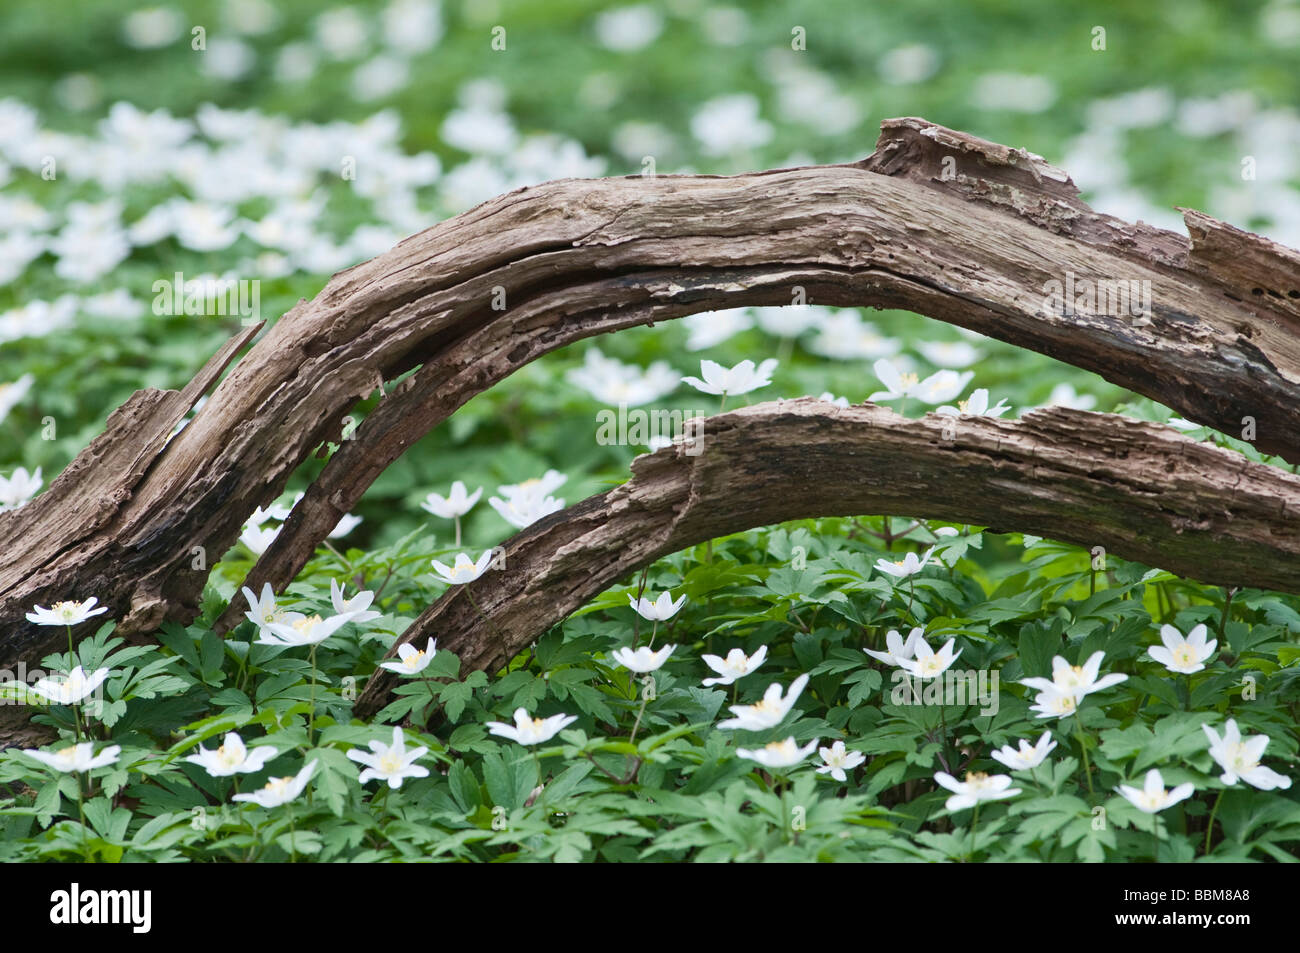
(306, 625)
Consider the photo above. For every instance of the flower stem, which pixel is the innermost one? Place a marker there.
(1209, 828)
(311, 718)
(293, 837)
(1083, 747)
(974, 823)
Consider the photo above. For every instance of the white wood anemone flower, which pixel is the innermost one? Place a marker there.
(453, 506)
(929, 663)
(530, 731)
(836, 760)
(660, 610)
(1184, 655)
(410, 660)
(392, 763)
(524, 510)
(977, 787)
(1027, 756)
(309, 630)
(977, 405)
(72, 688)
(464, 570)
(778, 754)
(280, 791)
(1152, 797)
(1076, 680)
(769, 712)
(18, 489)
(909, 565)
(264, 610)
(232, 757)
(1239, 757)
(259, 538)
(938, 387)
(735, 666)
(66, 613)
(536, 487)
(642, 660)
(1053, 703)
(79, 757)
(732, 381)
(358, 607)
(897, 650)
(952, 354)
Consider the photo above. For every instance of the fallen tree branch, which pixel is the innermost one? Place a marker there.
(935, 221)
(1140, 490)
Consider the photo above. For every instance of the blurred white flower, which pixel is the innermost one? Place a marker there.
(627, 29)
(1239, 757)
(913, 63)
(524, 510)
(18, 489)
(846, 337)
(454, 505)
(80, 757)
(976, 788)
(778, 754)
(769, 712)
(412, 26)
(530, 731)
(612, 382)
(1152, 797)
(1013, 92)
(1027, 756)
(730, 124)
(280, 791)
(71, 689)
(642, 660)
(1064, 395)
(953, 354)
(479, 131)
(711, 328)
(153, 27)
(259, 538)
(342, 32)
(232, 757)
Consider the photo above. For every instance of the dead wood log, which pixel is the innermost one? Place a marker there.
(1142, 491)
(935, 221)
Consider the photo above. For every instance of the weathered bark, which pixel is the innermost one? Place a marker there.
(1140, 490)
(579, 258)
